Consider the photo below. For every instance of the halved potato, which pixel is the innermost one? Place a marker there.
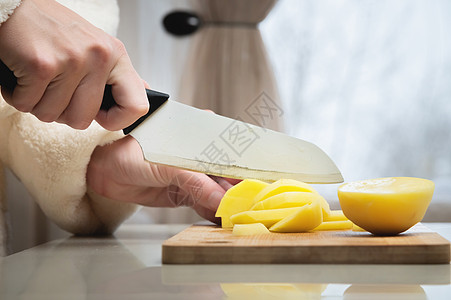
(386, 206)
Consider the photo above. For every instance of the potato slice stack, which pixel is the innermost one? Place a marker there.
(255, 207)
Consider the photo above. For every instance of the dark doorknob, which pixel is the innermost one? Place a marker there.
(181, 23)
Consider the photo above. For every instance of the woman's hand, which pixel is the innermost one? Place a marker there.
(62, 63)
(118, 171)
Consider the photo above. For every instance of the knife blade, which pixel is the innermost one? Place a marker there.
(182, 136)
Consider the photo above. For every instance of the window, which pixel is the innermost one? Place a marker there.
(369, 82)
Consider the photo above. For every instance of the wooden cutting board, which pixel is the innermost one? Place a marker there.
(209, 244)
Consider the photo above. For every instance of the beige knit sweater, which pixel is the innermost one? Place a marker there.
(51, 159)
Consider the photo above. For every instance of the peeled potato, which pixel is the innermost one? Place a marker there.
(386, 206)
(305, 218)
(237, 199)
(285, 200)
(267, 217)
(334, 225)
(282, 186)
(335, 215)
(249, 229)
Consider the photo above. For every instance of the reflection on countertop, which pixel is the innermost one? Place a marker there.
(128, 266)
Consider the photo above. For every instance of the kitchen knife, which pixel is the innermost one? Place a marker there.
(179, 135)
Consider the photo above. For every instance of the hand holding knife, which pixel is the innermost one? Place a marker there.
(179, 135)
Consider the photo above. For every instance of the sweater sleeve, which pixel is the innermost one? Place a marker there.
(51, 161)
(7, 8)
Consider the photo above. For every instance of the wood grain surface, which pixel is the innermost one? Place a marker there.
(209, 244)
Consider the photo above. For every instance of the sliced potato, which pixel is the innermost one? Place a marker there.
(335, 215)
(304, 219)
(334, 225)
(249, 229)
(282, 186)
(285, 200)
(267, 217)
(237, 199)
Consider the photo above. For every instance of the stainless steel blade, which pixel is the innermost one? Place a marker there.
(182, 136)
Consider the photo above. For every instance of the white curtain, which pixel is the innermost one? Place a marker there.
(227, 69)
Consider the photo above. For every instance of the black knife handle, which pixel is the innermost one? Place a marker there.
(156, 99)
(7, 78)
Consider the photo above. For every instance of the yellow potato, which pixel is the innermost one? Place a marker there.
(282, 186)
(334, 225)
(284, 200)
(293, 199)
(386, 206)
(267, 217)
(249, 229)
(284, 206)
(305, 218)
(237, 199)
(335, 215)
(325, 206)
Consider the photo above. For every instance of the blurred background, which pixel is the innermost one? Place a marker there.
(369, 82)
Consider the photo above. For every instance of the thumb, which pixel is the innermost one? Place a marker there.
(129, 93)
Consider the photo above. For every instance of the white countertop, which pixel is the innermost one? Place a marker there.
(128, 266)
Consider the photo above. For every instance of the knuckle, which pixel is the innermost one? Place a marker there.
(140, 105)
(119, 47)
(102, 52)
(43, 69)
(48, 118)
(140, 109)
(74, 60)
(81, 124)
(77, 123)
